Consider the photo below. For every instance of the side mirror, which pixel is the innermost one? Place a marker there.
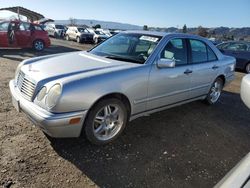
(165, 63)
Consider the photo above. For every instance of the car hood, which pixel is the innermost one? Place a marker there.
(69, 64)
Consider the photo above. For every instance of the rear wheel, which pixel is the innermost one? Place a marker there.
(38, 45)
(215, 91)
(55, 35)
(106, 121)
(247, 69)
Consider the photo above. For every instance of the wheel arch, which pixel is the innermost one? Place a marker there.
(223, 78)
(116, 95)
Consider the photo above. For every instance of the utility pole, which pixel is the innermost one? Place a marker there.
(18, 13)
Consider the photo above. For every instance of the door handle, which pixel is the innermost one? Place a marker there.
(215, 67)
(188, 71)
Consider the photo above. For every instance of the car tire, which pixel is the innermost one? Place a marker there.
(38, 45)
(96, 40)
(247, 69)
(55, 35)
(105, 121)
(78, 40)
(215, 91)
(67, 37)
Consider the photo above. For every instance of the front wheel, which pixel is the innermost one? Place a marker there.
(38, 45)
(96, 40)
(106, 121)
(78, 40)
(215, 91)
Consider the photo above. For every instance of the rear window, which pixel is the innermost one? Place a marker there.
(37, 27)
(201, 52)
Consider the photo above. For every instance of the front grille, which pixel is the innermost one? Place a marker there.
(25, 85)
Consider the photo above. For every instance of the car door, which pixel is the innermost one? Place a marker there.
(205, 67)
(170, 85)
(4, 34)
(23, 34)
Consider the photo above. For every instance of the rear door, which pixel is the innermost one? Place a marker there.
(205, 67)
(23, 34)
(4, 34)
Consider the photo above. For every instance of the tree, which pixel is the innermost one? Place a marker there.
(184, 29)
(145, 27)
(97, 26)
(72, 21)
(202, 31)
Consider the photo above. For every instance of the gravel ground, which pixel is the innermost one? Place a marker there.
(193, 145)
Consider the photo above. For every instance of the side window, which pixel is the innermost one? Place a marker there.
(38, 28)
(21, 27)
(176, 50)
(4, 26)
(198, 51)
(237, 47)
(211, 55)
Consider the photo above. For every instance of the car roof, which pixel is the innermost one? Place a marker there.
(162, 34)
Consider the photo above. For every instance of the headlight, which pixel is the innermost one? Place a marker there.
(41, 93)
(53, 95)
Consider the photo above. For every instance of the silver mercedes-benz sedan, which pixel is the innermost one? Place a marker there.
(131, 74)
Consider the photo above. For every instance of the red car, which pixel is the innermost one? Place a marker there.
(19, 34)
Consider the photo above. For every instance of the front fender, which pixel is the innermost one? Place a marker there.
(81, 94)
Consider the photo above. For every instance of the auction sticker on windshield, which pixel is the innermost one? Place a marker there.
(148, 38)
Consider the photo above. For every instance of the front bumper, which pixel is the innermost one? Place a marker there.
(54, 124)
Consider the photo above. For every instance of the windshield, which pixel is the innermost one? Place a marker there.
(127, 47)
(99, 33)
(59, 26)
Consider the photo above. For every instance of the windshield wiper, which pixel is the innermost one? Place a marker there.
(121, 58)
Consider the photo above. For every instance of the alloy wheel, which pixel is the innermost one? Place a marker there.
(108, 121)
(39, 45)
(215, 91)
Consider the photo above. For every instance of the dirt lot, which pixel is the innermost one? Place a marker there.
(193, 145)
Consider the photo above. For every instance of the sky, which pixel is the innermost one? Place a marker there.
(154, 13)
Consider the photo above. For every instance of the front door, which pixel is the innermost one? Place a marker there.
(4, 34)
(170, 85)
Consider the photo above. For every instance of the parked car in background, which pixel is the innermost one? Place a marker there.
(99, 36)
(129, 75)
(105, 31)
(19, 34)
(240, 50)
(245, 90)
(55, 30)
(79, 34)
